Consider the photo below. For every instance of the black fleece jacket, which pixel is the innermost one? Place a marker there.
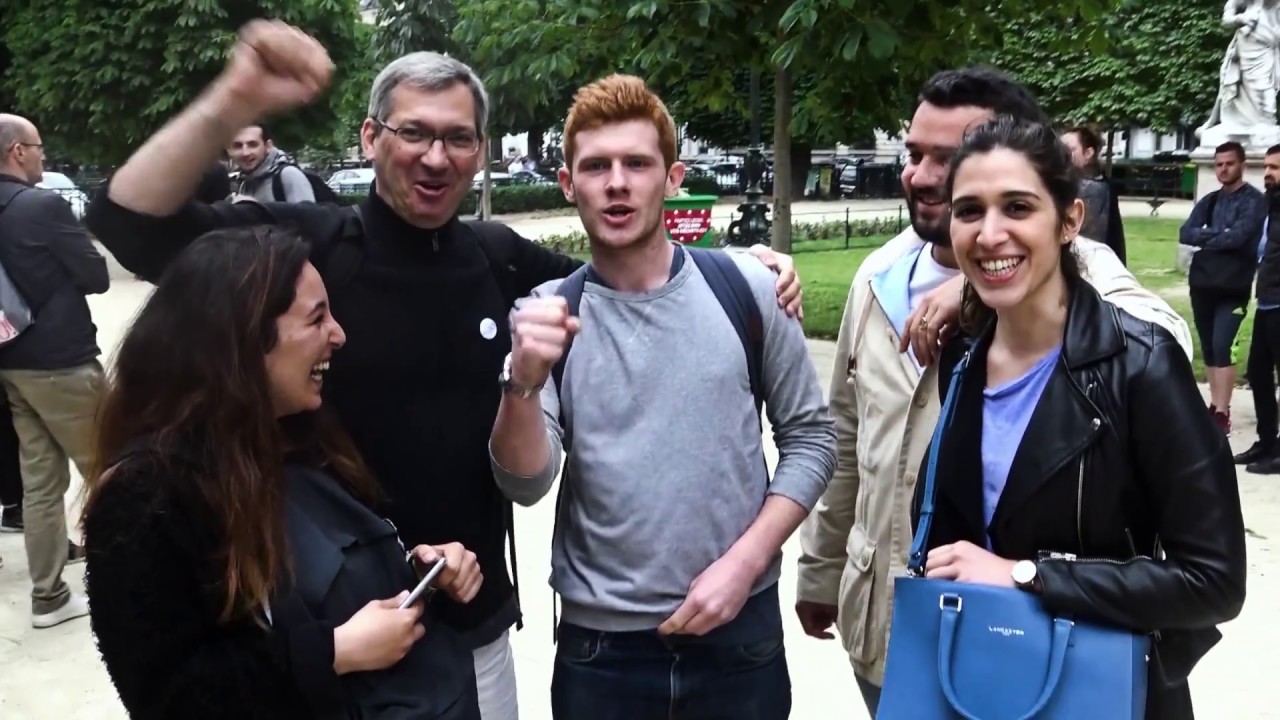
(425, 316)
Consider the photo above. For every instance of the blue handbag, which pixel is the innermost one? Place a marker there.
(980, 652)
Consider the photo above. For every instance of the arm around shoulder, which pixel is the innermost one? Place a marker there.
(1118, 286)
(1192, 496)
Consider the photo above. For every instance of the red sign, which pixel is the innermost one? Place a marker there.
(687, 225)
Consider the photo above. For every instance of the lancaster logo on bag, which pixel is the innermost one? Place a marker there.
(1007, 632)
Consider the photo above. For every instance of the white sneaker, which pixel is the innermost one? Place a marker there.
(77, 607)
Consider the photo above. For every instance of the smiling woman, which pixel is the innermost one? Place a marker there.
(236, 567)
(1054, 473)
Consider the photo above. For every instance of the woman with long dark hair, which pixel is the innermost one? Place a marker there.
(236, 568)
(1079, 464)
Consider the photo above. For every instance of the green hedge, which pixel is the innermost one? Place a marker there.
(510, 199)
(805, 236)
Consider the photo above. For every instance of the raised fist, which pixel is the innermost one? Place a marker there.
(275, 67)
(540, 331)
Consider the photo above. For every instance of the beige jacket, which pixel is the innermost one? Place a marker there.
(857, 538)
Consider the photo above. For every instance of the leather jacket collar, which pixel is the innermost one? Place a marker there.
(1094, 331)
(1067, 420)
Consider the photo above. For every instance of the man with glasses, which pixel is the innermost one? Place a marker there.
(50, 372)
(423, 296)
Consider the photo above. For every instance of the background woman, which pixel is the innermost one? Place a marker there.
(235, 567)
(1080, 448)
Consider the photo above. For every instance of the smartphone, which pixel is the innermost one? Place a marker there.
(422, 585)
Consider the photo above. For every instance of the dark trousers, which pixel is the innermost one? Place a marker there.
(10, 466)
(1264, 361)
(870, 695)
(1217, 316)
(739, 674)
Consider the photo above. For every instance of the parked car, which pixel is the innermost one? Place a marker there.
(64, 186)
(355, 181)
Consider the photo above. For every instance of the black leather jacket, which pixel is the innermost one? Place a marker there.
(1119, 461)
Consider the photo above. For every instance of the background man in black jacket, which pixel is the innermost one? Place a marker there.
(423, 297)
(51, 371)
(1264, 353)
(1224, 227)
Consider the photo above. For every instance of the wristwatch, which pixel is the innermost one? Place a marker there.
(509, 385)
(1025, 576)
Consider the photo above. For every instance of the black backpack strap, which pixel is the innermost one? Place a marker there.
(494, 241)
(277, 184)
(739, 303)
(497, 254)
(571, 289)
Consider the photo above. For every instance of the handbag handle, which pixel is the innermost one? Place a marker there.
(920, 543)
(946, 639)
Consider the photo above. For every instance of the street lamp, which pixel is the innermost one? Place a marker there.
(753, 227)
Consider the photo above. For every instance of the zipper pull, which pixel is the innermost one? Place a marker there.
(1052, 555)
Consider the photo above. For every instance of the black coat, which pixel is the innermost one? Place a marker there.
(54, 265)
(416, 384)
(154, 580)
(1119, 453)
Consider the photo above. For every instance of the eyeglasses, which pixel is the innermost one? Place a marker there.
(457, 143)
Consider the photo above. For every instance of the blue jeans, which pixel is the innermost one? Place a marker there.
(644, 676)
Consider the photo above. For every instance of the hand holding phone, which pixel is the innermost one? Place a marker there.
(424, 583)
(461, 578)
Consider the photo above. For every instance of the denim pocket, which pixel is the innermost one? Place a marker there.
(579, 646)
(760, 651)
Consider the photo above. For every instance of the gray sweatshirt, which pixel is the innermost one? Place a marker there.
(260, 185)
(665, 466)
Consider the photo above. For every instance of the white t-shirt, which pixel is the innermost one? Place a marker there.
(926, 276)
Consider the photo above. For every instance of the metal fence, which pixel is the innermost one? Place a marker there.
(839, 228)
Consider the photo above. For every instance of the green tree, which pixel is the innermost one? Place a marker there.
(100, 78)
(852, 59)
(1160, 69)
(516, 104)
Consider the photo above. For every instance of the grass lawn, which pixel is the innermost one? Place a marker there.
(1151, 244)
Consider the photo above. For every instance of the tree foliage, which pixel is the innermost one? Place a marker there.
(1160, 70)
(850, 52)
(99, 78)
(516, 104)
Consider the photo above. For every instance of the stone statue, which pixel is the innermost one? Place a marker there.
(1245, 109)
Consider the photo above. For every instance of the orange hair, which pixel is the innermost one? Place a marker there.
(615, 99)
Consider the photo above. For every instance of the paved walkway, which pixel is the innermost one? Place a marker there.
(56, 674)
(538, 225)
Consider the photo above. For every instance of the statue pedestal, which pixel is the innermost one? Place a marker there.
(1256, 140)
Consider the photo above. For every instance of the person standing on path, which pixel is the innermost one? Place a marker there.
(905, 296)
(1102, 221)
(1224, 227)
(50, 372)
(263, 169)
(422, 295)
(667, 549)
(1263, 457)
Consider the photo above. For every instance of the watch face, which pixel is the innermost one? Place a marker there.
(1024, 572)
